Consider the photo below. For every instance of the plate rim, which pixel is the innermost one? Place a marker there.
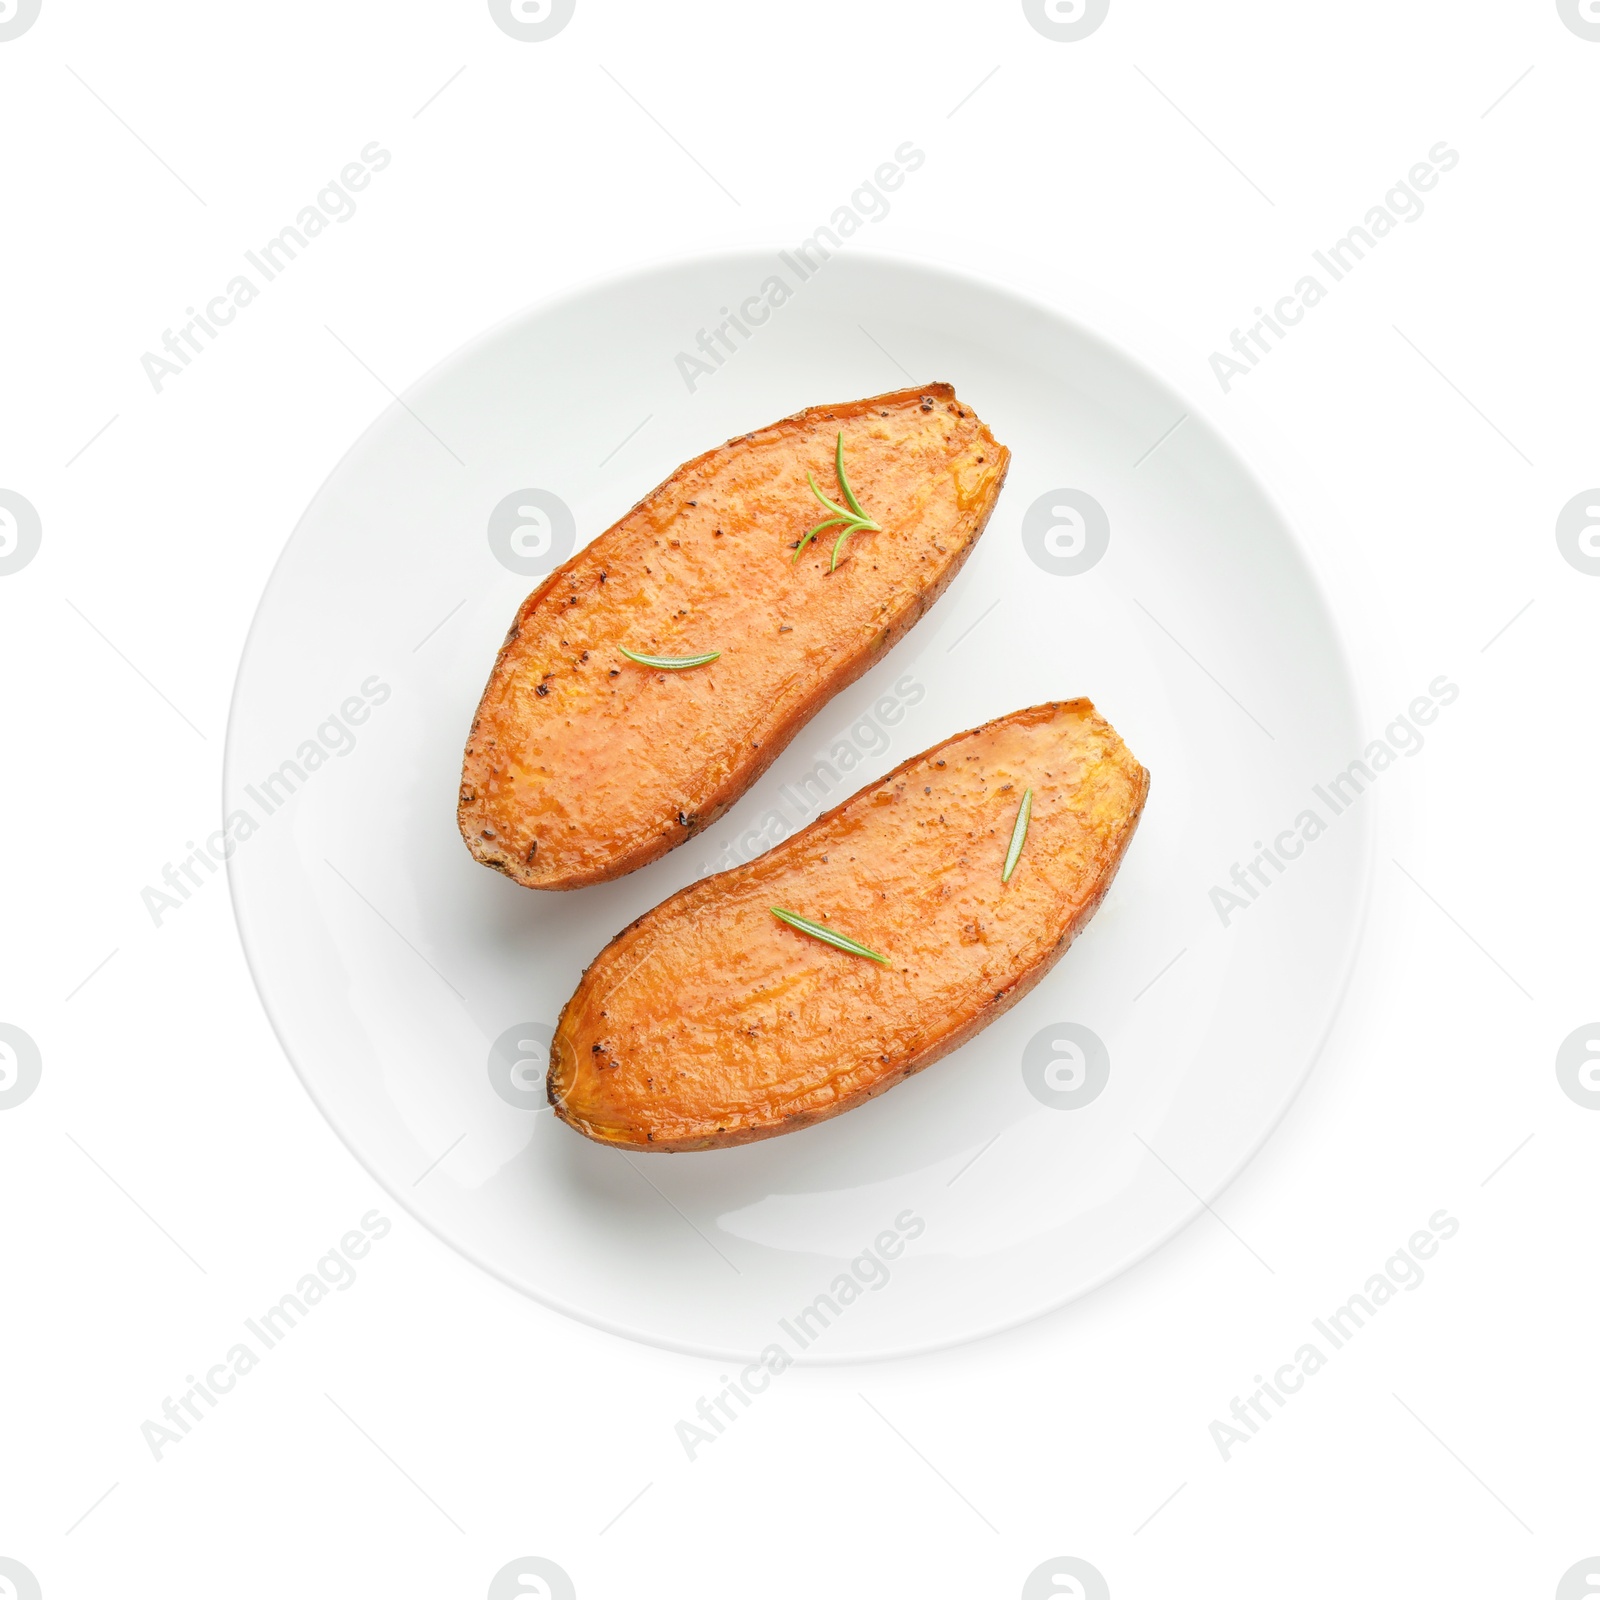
(1117, 339)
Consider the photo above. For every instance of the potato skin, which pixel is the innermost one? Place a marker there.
(708, 1023)
(581, 765)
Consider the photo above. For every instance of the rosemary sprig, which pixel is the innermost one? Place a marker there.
(855, 520)
(670, 663)
(827, 935)
(1019, 834)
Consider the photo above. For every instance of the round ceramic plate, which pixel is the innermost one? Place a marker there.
(1133, 558)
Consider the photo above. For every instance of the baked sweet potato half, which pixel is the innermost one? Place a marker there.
(582, 764)
(710, 1022)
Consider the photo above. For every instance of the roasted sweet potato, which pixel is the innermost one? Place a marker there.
(583, 765)
(710, 1022)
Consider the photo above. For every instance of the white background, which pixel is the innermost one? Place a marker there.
(170, 1177)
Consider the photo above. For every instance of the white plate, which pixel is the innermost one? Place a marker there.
(391, 963)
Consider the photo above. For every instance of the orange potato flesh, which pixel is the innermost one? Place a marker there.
(709, 1022)
(581, 765)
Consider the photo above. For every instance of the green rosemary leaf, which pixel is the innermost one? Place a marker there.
(831, 522)
(838, 511)
(670, 663)
(844, 482)
(1018, 835)
(827, 935)
(838, 544)
(855, 520)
